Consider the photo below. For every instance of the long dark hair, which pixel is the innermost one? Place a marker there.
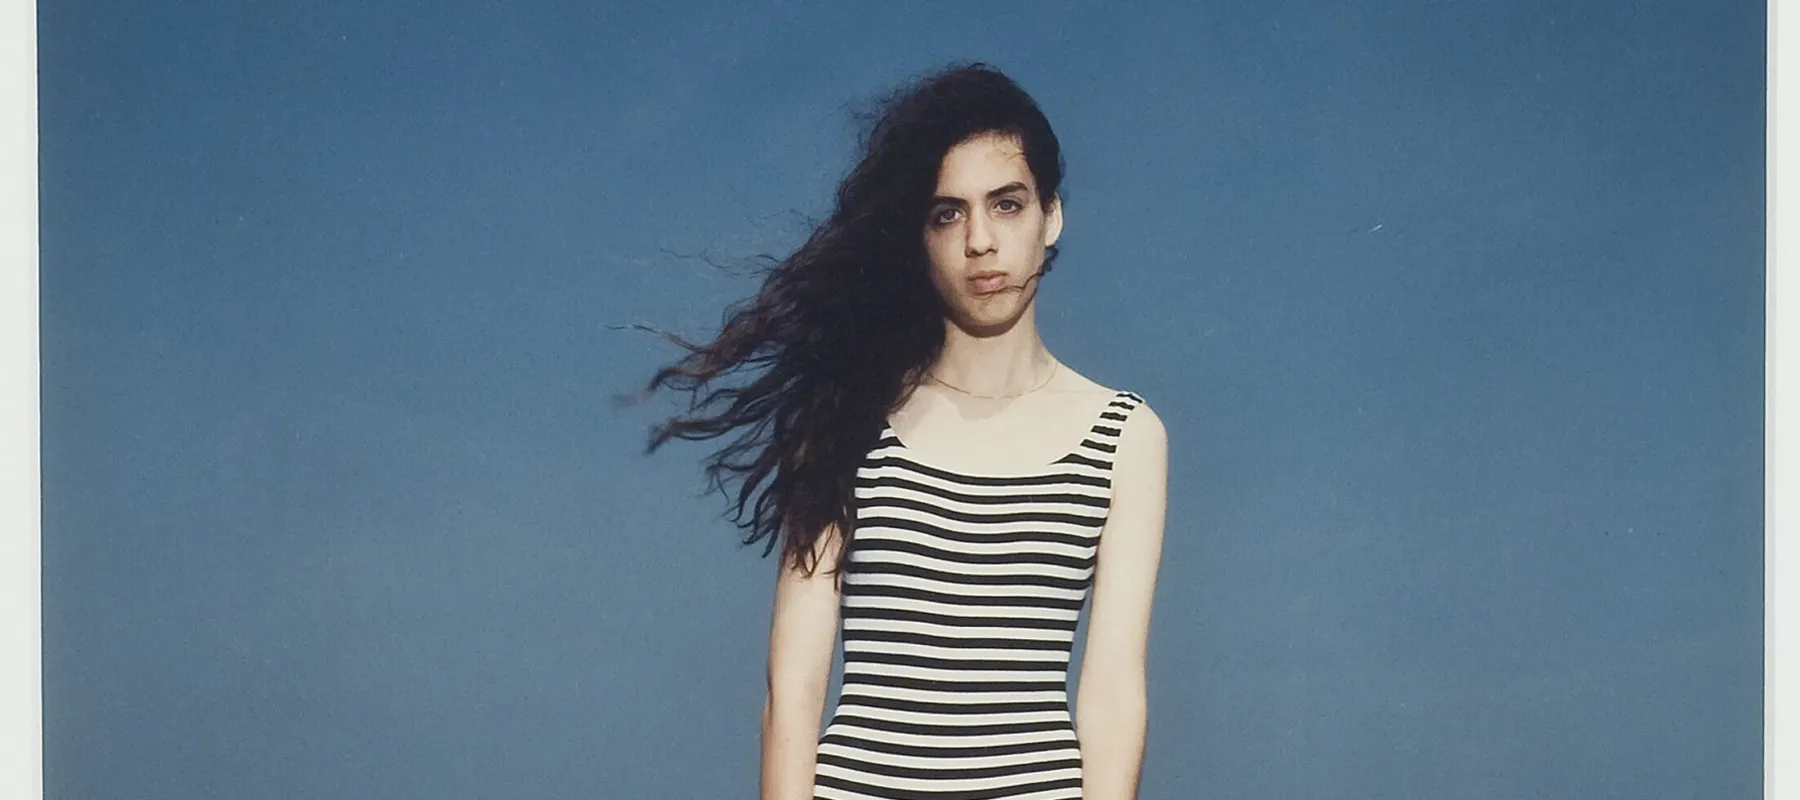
(842, 329)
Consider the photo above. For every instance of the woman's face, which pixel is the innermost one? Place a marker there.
(986, 232)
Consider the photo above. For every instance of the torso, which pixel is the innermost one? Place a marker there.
(975, 551)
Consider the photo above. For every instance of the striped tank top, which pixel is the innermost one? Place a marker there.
(959, 608)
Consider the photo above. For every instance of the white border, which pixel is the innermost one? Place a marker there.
(21, 629)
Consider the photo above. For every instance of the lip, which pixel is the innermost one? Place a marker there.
(988, 281)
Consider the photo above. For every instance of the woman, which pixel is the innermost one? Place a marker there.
(942, 487)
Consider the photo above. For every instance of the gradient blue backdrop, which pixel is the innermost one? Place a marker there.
(1453, 310)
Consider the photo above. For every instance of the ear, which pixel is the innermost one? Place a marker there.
(1053, 220)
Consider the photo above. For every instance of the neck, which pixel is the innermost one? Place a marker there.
(996, 363)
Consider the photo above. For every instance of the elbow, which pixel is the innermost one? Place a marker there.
(1111, 718)
(1117, 706)
(795, 697)
(1120, 700)
(1116, 684)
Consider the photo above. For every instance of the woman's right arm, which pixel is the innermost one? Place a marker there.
(802, 639)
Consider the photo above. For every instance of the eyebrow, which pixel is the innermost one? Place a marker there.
(1015, 186)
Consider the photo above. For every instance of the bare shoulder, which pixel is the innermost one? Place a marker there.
(1144, 421)
(1143, 440)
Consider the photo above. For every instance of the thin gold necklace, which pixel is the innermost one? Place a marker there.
(955, 388)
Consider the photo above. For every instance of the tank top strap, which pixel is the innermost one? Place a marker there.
(1113, 417)
(1102, 439)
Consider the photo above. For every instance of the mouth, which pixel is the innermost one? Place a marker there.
(987, 282)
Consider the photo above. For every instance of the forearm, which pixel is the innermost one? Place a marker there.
(790, 742)
(1110, 724)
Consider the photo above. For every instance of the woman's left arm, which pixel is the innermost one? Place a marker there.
(1111, 706)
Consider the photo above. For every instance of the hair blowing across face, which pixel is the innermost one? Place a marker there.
(842, 329)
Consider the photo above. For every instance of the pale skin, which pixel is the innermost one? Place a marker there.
(986, 218)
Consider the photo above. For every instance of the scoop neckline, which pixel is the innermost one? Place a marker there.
(1055, 466)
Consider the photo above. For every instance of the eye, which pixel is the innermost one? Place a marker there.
(1010, 206)
(943, 216)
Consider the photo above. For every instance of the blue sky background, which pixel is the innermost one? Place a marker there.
(1453, 310)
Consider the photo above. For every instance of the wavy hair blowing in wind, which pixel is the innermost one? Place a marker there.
(842, 329)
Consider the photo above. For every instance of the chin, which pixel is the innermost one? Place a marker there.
(990, 318)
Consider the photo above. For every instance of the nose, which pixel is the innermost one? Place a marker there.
(979, 239)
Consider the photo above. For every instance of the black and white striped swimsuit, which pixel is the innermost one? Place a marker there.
(961, 598)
